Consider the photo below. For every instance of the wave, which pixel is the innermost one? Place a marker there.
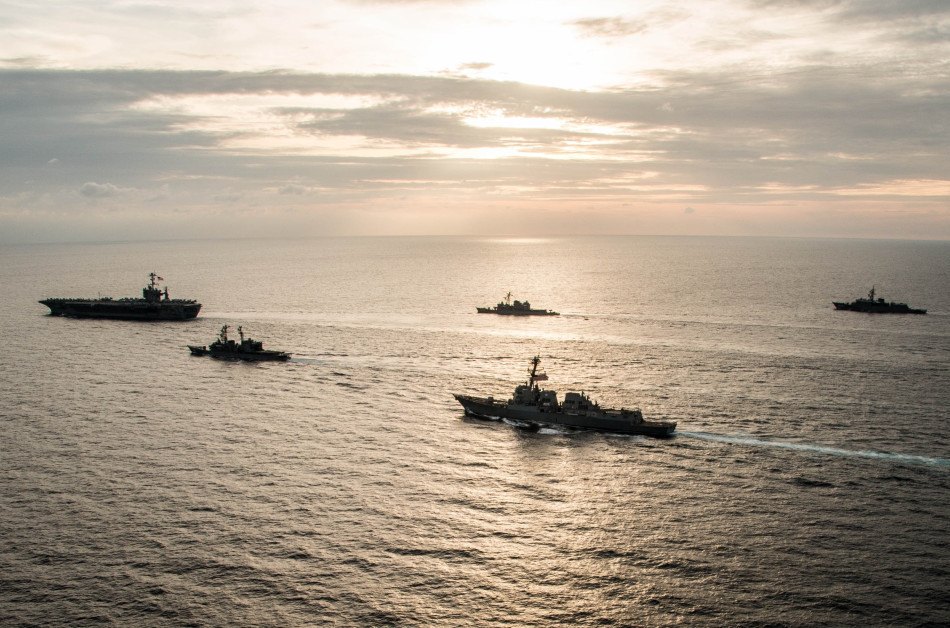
(832, 451)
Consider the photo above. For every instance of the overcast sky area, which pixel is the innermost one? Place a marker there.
(136, 120)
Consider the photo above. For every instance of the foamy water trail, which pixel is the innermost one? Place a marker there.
(832, 451)
(308, 361)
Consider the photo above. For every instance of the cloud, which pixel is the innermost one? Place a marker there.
(683, 137)
(99, 190)
(293, 189)
(475, 66)
(25, 62)
(920, 22)
(768, 127)
(615, 27)
(610, 26)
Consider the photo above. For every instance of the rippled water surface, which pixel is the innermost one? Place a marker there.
(808, 483)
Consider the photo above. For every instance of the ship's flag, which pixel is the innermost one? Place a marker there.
(160, 278)
(540, 377)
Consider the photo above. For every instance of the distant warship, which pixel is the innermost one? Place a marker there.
(878, 306)
(532, 405)
(247, 349)
(153, 306)
(518, 308)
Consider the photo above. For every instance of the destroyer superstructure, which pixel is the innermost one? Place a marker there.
(872, 305)
(516, 308)
(530, 404)
(248, 349)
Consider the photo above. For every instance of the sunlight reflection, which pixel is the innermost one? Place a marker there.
(517, 240)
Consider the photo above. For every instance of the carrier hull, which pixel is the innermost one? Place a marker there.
(155, 305)
(130, 310)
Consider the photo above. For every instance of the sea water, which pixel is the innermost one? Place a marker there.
(808, 482)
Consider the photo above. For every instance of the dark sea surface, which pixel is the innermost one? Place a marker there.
(808, 484)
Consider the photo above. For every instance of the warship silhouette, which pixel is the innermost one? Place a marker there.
(532, 405)
(871, 305)
(248, 349)
(518, 308)
(155, 305)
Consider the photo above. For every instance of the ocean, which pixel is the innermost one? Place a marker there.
(807, 484)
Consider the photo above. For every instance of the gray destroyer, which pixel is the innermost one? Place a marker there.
(871, 305)
(248, 349)
(155, 305)
(518, 308)
(535, 406)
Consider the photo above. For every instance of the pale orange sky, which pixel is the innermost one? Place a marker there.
(133, 120)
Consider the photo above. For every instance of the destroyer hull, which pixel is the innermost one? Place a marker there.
(602, 421)
(252, 357)
(131, 310)
(878, 308)
(258, 356)
(491, 310)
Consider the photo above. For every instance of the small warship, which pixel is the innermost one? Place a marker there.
(248, 349)
(871, 305)
(155, 305)
(518, 308)
(534, 406)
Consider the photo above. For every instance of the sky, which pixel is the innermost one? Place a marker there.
(141, 119)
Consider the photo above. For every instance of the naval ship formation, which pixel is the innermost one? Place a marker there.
(871, 305)
(532, 405)
(155, 305)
